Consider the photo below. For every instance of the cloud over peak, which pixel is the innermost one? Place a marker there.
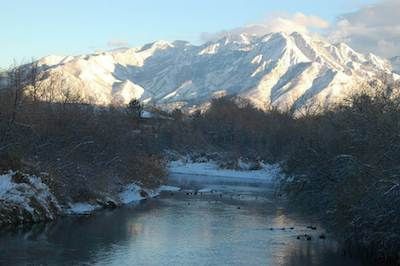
(298, 22)
(370, 29)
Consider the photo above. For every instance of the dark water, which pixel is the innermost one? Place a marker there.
(230, 226)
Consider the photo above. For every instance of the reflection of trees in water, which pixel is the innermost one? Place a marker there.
(72, 239)
(28, 232)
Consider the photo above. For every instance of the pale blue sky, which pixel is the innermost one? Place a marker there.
(35, 28)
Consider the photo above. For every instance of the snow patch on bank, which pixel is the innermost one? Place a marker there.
(29, 196)
(22, 193)
(81, 208)
(166, 188)
(131, 194)
(268, 172)
(205, 190)
(134, 193)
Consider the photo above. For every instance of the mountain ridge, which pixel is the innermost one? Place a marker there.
(278, 69)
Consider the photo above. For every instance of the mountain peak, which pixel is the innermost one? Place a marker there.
(156, 45)
(277, 69)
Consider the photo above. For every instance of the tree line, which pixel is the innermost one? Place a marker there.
(82, 151)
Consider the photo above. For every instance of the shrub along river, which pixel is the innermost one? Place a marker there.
(211, 221)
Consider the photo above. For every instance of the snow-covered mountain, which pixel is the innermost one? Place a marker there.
(278, 69)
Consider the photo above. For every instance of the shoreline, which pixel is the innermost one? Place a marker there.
(24, 194)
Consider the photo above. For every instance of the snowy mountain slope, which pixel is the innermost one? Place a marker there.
(277, 69)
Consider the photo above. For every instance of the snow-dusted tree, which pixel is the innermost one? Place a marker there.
(134, 109)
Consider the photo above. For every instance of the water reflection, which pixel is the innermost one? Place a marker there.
(178, 230)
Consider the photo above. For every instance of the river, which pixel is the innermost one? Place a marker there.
(233, 222)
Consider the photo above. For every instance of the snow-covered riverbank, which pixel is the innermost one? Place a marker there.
(26, 199)
(266, 173)
(131, 194)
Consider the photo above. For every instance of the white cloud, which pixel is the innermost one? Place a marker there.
(298, 22)
(116, 43)
(374, 28)
(370, 29)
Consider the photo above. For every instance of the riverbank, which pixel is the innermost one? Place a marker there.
(26, 199)
(266, 172)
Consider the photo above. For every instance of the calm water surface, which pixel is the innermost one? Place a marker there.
(231, 226)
